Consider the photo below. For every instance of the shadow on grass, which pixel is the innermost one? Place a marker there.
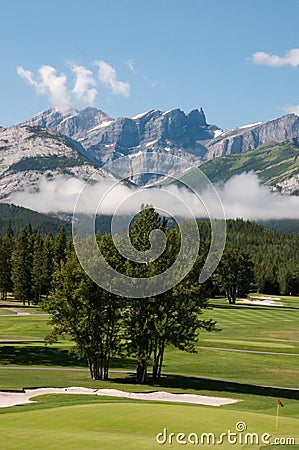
(253, 307)
(38, 355)
(50, 356)
(203, 384)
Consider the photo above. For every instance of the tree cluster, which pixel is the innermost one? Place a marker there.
(27, 263)
(102, 323)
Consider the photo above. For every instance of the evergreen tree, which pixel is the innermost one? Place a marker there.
(47, 264)
(60, 245)
(22, 266)
(6, 249)
(37, 268)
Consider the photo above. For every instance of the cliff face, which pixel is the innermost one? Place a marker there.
(252, 136)
(161, 133)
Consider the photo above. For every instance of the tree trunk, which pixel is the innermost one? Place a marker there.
(161, 357)
(106, 367)
(94, 368)
(231, 296)
(155, 361)
(155, 370)
(158, 361)
(141, 372)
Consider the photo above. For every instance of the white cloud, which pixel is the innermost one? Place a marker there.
(83, 93)
(108, 77)
(49, 83)
(243, 196)
(84, 88)
(131, 65)
(28, 76)
(292, 109)
(291, 58)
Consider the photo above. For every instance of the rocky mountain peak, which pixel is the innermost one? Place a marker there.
(72, 123)
(197, 117)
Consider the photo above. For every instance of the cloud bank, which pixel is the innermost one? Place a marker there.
(84, 84)
(291, 58)
(241, 196)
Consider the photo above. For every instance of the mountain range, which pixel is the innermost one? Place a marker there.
(186, 134)
(77, 143)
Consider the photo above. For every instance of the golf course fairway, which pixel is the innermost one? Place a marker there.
(135, 425)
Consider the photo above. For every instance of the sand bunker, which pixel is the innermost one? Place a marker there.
(260, 301)
(20, 398)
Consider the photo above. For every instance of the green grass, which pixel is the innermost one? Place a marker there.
(260, 328)
(127, 425)
(254, 328)
(7, 312)
(272, 370)
(24, 327)
(22, 309)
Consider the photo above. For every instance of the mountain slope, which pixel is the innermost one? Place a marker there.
(277, 165)
(30, 153)
(252, 136)
(20, 217)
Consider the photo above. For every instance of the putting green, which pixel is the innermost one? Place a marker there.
(132, 426)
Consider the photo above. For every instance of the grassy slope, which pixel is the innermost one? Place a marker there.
(272, 162)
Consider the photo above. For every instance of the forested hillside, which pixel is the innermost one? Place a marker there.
(20, 217)
(274, 255)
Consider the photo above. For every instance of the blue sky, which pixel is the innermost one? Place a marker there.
(129, 56)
